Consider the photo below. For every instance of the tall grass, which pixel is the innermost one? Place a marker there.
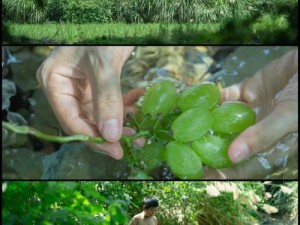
(182, 11)
(25, 11)
(136, 11)
(268, 29)
(117, 33)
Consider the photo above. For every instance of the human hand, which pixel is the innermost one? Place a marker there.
(273, 92)
(278, 161)
(82, 85)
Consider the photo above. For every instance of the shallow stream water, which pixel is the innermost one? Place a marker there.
(25, 157)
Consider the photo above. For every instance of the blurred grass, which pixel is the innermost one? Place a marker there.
(268, 29)
(115, 33)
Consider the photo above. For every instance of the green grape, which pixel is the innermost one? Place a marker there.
(152, 155)
(161, 97)
(140, 175)
(163, 136)
(192, 124)
(170, 118)
(145, 122)
(212, 151)
(232, 117)
(205, 95)
(183, 161)
(229, 136)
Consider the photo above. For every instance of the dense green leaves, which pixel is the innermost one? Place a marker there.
(57, 203)
(88, 11)
(115, 202)
(132, 11)
(162, 22)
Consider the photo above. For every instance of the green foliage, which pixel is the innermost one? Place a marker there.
(278, 29)
(275, 6)
(256, 31)
(58, 203)
(284, 195)
(25, 11)
(141, 11)
(115, 202)
(87, 11)
(175, 22)
(57, 10)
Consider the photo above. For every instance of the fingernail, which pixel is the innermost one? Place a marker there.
(240, 154)
(139, 141)
(110, 130)
(128, 131)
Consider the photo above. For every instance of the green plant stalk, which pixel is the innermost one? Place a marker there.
(64, 139)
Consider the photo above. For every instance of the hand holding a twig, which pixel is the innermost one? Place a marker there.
(82, 85)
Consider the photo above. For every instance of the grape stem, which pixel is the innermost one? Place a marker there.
(159, 117)
(147, 117)
(163, 131)
(133, 119)
(65, 139)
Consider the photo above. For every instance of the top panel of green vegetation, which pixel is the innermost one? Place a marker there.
(150, 22)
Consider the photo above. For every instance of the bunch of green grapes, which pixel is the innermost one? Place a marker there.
(189, 129)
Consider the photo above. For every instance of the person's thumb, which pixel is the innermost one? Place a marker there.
(108, 106)
(262, 135)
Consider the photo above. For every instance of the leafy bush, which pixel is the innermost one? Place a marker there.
(58, 203)
(88, 11)
(133, 11)
(57, 10)
(273, 28)
(115, 202)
